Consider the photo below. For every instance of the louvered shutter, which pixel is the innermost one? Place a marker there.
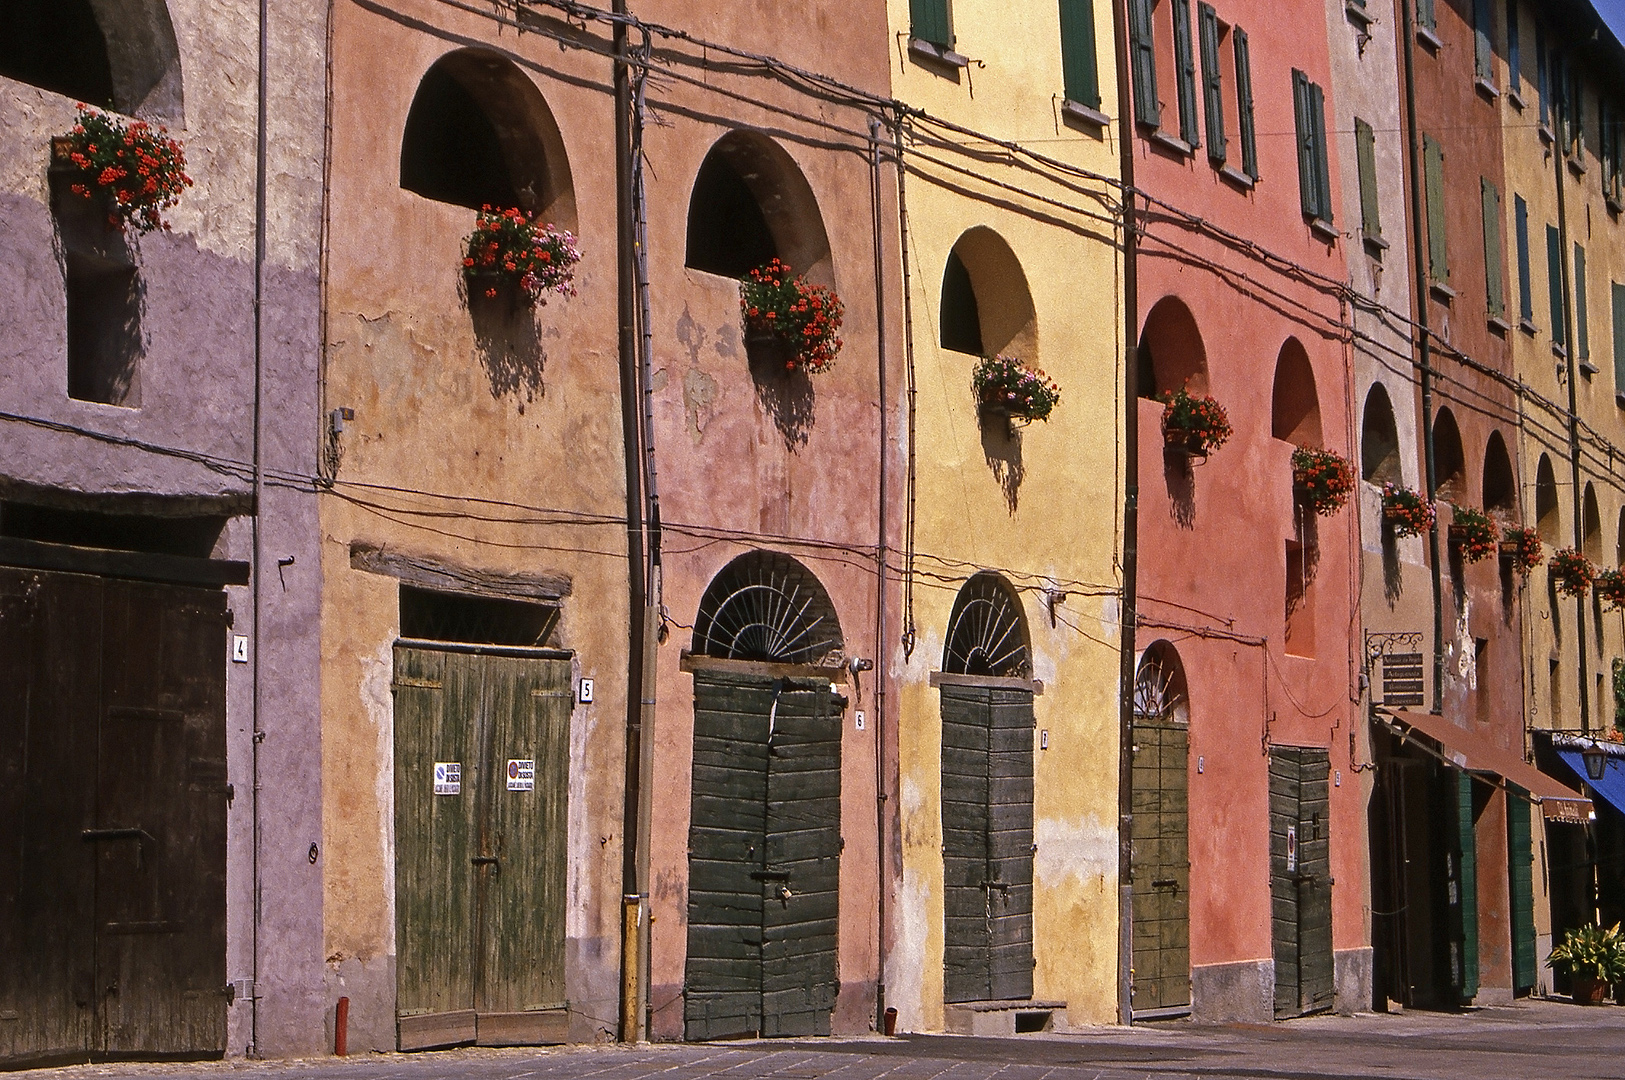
(1514, 49)
(1582, 330)
(1543, 77)
(1494, 272)
(1433, 173)
(1212, 86)
(1185, 59)
(1147, 109)
(1365, 152)
(1320, 157)
(1425, 16)
(1305, 134)
(1244, 102)
(1078, 66)
(928, 21)
(1526, 294)
(1554, 283)
(1483, 24)
(1619, 338)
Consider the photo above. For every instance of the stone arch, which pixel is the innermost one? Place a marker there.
(986, 306)
(1591, 522)
(750, 204)
(1500, 487)
(1449, 460)
(116, 54)
(1547, 518)
(1294, 404)
(766, 606)
(987, 631)
(1379, 439)
(1171, 353)
(480, 133)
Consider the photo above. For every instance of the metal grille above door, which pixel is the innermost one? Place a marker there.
(987, 631)
(766, 606)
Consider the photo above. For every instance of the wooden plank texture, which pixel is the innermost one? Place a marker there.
(1160, 865)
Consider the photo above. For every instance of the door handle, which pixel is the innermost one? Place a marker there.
(492, 861)
(1166, 883)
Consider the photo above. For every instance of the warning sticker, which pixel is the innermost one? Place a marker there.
(448, 778)
(521, 775)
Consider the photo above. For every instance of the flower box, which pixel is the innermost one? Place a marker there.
(803, 319)
(511, 253)
(1522, 548)
(1322, 479)
(1572, 573)
(1473, 533)
(1609, 588)
(135, 169)
(1195, 426)
(1408, 512)
(1008, 390)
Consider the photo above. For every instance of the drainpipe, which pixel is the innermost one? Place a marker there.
(1423, 341)
(1129, 612)
(882, 668)
(257, 732)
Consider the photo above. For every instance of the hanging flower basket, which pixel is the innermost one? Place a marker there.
(1325, 477)
(1572, 572)
(1194, 425)
(1472, 533)
(510, 251)
(801, 319)
(137, 169)
(1610, 588)
(1409, 512)
(1008, 389)
(1522, 548)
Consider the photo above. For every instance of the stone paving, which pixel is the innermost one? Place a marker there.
(1532, 1041)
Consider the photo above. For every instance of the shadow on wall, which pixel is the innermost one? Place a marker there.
(1393, 579)
(1001, 446)
(1179, 476)
(787, 396)
(508, 344)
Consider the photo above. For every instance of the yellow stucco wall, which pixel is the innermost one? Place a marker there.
(1043, 507)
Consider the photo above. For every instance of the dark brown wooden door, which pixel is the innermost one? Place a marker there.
(764, 856)
(1300, 879)
(1160, 865)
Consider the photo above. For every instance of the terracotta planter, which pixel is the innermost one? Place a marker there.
(1188, 443)
(1588, 990)
(770, 355)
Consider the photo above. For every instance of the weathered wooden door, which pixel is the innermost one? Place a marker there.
(987, 843)
(1300, 879)
(1520, 867)
(764, 856)
(1160, 864)
(481, 773)
(112, 758)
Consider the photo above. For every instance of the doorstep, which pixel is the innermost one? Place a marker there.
(1005, 1017)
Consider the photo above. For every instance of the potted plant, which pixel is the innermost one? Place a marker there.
(1008, 389)
(511, 251)
(1324, 477)
(1572, 572)
(1473, 533)
(135, 169)
(1521, 547)
(1193, 425)
(790, 319)
(1409, 512)
(1610, 588)
(1593, 958)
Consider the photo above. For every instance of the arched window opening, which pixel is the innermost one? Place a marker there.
(1591, 532)
(1161, 695)
(480, 134)
(1547, 521)
(1449, 461)
(1500, 486)
(987, 631)
(1171, 351)
(986, 305)
(1294, 405)
(766, 606)
(115, 54)
(1379, 439)
(751, 204)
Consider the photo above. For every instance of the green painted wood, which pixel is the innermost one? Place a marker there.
(1466, 907)
(1320, 159)
(1494, 264)
(1618, 294)
(1244, 102)
(1185, 62)
(1554, 284)
(1425, 16)
(1079, 66)
(1147, 107)
(1433, 184)
(929, 21)
(1160, 865)
(1483, 36)
(1212, 82)
(1520, 868)
(1308, 193)
(1582, 322)
(1300, 880)
(1526, 291)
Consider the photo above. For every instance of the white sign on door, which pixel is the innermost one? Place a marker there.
(448, 778)
(521, 775)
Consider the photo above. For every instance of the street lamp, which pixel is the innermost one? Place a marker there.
(1596, 761)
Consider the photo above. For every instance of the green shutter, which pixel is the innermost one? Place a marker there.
(1147, 109)
(1467, 846)
(1494, 264)
(1582, 329)
(1244, 102)
(1212, 86)
(1424, 15)
(1433, 178)
(1514, 49)
(1307, 190)
(1619, 338)
(1554, 284)
(1185, 60)
(1520, 877)
(1078, 64)
(1576, 98)
(1543, 78)
(1483, 27)
(928, 21)
(1526, 291)
(1365, 152)
(1319, 159)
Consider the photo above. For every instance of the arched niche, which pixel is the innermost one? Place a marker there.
(1591, 525)
(1619, 541)
(987, 631)
(1160, 690)
(480, 134)
(986, 306)
(1171, 353)
(1500, 487)
(1547, 518)
(766, 606)
(1449, 460)
(1294, 404)
(751, 203)
(116, 54)
(1379, 439)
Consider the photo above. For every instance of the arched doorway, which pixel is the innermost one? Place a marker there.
(1159, 865)
(764, 836)
(987, 796)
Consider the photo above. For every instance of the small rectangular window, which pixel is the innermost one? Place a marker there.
(1582, 329)
(1433, 181)
(1185, 61)
(1212, 83)
(1483, 40)
(1554, 285)
(1147, 109)
(1365, 150)
(1526, 297)
(1244, 102)
(1079, 66)
(1514, 49)
(1314, 174)
(928, 21)
(1494, 270)
(1425, 17)
(1619, 338)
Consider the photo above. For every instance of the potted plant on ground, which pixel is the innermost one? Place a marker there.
(1324, 477)
(1572, 572)
(1409, 512)
(1195, 426)
(1610, 588)
(1473, 533)
(511, 251)
(790, 321)
(1593, 958)
(1007, 389)
(1521, 547)
(135, 169)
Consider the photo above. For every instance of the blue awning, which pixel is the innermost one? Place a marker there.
(1612, 785)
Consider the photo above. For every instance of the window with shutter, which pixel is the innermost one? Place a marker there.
(928, 21)
(1078, 64)
(1543, 77)
(1425, 17)
(1433, 181)
(1185, 61)
(1320, 160)
(1619, 339)
(1526, 296)
(1147, 109)
(1576, 114)
(1307, 193)
(1514, 50)
(1554, 284)
(1483, 29)
(1494, 269)
(1212, 82)
(1244, 102)
(1582, 330)
(1365, 153)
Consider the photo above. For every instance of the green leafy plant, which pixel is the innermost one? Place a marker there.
(1610, 588)
(1591, 952)
(512, 247)
(1473, 533)
(1572, 572)
(1199, 423)
(805, 317)
(1005, 384)
(1523, 547)
(139, 167)
(1410, 513)
(1325, 476)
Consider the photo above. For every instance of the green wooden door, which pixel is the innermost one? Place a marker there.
(1461, 883)
(1300, 880)
(987, 849)
(480, 855)
(764, 856)
(1160, 866)
(1520, 866)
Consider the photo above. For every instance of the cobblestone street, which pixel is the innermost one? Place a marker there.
(1534, 1040)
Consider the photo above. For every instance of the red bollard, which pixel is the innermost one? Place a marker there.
(341, 1028)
